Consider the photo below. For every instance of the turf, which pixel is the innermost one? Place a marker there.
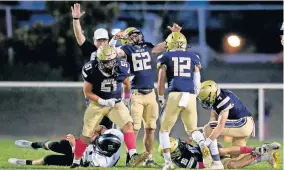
(8, 150)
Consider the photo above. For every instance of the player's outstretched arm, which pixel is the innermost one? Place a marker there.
(161, 47)
(76, 14)
(220, 126)
(127, 87)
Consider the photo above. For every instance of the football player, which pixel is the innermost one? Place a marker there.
(182, 70)
(103, 79)
(144, 106)
(229, 117)
(185, 155)
(101, 36)
(98, 152)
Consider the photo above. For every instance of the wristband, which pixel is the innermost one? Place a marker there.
(76, 18)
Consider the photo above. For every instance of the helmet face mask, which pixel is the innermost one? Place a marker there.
(208, 94)
(107, 66)
(132, 36)
(106, 57)
(207, 103)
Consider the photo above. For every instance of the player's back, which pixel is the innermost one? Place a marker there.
(225, 99)
(106, 86)
(140, 59)
(190, 156)
(180, 67)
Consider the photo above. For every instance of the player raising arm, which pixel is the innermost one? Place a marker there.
(101, 36)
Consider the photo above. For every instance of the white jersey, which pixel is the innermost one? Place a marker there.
(96, 159)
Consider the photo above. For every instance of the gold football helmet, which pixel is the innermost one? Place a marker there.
(132, 35)
(175, 151)
(208, 94)
(106, 57)
(176, 41)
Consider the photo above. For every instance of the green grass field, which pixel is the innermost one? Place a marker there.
(8, 150)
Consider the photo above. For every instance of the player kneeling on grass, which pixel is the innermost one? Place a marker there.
(185, 155)
(104, 151)
(229, 117)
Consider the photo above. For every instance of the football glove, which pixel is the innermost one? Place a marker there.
(108, 102)
(162, 101)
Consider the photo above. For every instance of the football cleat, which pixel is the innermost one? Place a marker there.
(150, 164)
(24, 144)
(207, 159)
(16, 161)
(168, 166)
(267, 148)
(274, 160)
(136, 159)
(127, 159)
(74, 166)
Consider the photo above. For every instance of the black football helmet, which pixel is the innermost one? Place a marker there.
(107, 144)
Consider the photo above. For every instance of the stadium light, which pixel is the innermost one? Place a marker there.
(233, 43)
(234, 40)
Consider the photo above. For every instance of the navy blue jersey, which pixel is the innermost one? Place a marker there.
(140, 59)
(180, 67)
(190, 156)
(104, 86)
(227, 100)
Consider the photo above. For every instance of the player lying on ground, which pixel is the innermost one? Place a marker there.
(185, 155)
(98, 153)
(229, 117)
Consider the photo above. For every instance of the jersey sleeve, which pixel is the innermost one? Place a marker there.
(224, 105)
(125, 48)
(196, 60)
(162, 60)
(87, 48)
(122, 70)
(86, 72)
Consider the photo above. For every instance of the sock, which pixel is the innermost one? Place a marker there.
(245, 149)
(130, 142)
(80, 148)
(37, 145)
(164, 138)
(201, 165)
(150, 157)
(167, 157)
(29, 162)
(214, 151)
(76, 161)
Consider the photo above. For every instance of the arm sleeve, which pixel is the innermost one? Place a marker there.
(87, 48)
(196, 81)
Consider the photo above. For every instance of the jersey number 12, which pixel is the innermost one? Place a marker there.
(181, 65)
